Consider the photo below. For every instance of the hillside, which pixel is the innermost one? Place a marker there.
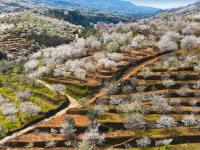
(24, 33)
(181, 11)
(83, 19)
(134, 86)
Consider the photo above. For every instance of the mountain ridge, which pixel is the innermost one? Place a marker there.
(184, 10)
(112, 7)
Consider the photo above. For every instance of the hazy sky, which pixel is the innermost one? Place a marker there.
(163, 3)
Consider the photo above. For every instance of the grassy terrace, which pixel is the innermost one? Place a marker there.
(13, 83)
(77, 91)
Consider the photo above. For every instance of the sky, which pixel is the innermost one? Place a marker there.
(164, 4)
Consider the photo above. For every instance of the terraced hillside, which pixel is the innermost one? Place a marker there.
(25, 32)
(102, 74)
(153, 105)
(24, 102)
(17, 47)
(135, 86)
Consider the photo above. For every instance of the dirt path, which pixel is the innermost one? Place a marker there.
(134, 70)
(99, 94)
(73, 104)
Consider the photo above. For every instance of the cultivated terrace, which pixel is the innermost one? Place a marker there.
(136, 86)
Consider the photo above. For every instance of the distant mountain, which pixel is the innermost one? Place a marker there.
(111, 7)
(49, 8)
(190, 9)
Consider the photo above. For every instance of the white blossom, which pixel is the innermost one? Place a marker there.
(50, 144)
(107, 64)
(31, 65)
(8, 109)
(168, 83)
(59, 88)
(190, 42)
(80, 74)
(115, 57)
(93, 136)
(164, 142)
(28, 108)
(22, 96)
(137, 41)
(166, 122)
(143, 142)
(189, 120)
(112, 47)
(134, 122)
(167, 45)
